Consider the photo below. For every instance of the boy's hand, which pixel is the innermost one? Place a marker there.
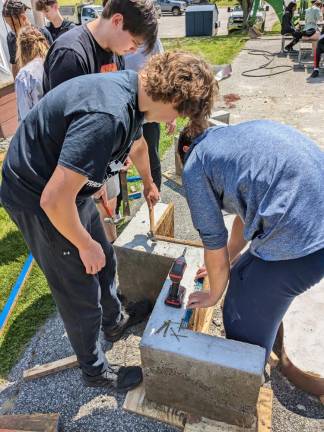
(93, 257)
(201, 299)
(151, 194)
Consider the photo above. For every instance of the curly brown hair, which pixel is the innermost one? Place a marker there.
(186, 81)
(31, 43)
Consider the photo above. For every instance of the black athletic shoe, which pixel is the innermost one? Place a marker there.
(314, 74)
(120, 377)
(134, 313)
(290, 50)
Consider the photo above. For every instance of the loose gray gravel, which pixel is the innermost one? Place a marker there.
(95, 410)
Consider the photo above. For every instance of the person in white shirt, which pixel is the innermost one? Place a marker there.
(32, 48)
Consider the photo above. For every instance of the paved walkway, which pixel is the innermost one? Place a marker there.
(289, 97)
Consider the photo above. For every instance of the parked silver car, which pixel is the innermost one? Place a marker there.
(176, 7)
(235, 19)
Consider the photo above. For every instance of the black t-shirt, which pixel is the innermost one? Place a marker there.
(87, 124)
(77, 53)
(12, 43)
(58, 31)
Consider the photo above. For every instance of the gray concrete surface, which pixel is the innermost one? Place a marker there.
(206, 375)
(175, 27)
(144, 264)
(289, 97)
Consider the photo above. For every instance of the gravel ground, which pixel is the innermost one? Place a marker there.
(91, 410)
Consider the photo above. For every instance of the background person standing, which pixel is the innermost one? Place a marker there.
(51, 11)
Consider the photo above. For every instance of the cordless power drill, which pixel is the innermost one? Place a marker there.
(176, 292)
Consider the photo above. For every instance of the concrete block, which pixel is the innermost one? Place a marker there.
(201, 374)
(143, 265)
(221, 116)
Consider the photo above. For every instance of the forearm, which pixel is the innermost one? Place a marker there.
(63, 214)
(140, 158)
(236, 242)
(218, 269)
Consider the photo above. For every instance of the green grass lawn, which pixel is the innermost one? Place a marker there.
(35, 303)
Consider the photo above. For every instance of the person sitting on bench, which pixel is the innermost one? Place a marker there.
(287, 26)
(312, 16)
(271, 177)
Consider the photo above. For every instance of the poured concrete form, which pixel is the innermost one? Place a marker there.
(143, 265)
(201, 374)
(303, 342)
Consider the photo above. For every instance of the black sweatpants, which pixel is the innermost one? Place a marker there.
(85, 302)
(260, 293)
(297, 35)
(318, 53)
(151, 133)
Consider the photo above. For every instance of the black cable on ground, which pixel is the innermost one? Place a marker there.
(269, 57)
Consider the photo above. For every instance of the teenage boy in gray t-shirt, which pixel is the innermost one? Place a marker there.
(272, 178)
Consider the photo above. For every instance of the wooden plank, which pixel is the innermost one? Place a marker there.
(124, 191)
(273, 360)
(179, 241)
(32, 422)
(264, 410)
(172, 176)
(207, 425)
(137, 403)
(165, 225)
(15, 430)
(50, 368)
(202, 317)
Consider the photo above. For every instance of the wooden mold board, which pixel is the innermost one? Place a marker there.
(165, 225)
(172, 176)
(50, 368)
(137, 403)
(31, 422)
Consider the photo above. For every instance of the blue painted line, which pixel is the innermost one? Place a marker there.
(15, 290)
(134, 195)
(133, 179)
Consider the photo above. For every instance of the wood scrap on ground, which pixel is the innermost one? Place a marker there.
(50, 368)
(30, 422)
(172, 176)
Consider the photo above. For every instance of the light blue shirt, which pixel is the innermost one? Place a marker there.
(269, 174)
(138, 60)
(28, 86)
(312, 16)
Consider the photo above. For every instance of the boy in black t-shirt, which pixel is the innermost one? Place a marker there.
(68, 145)
(99, 45)
(51, 11)
(14, 15)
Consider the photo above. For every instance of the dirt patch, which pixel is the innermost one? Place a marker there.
(230, 98)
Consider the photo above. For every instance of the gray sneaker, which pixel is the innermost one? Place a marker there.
(123, 378)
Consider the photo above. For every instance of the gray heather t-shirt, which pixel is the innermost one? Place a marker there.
(269, 174)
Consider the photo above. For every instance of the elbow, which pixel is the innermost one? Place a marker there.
(46, 201)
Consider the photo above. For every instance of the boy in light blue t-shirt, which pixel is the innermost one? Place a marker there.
(272, 178)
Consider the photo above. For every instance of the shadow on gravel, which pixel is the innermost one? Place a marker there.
(294, 399)
(173, 186)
